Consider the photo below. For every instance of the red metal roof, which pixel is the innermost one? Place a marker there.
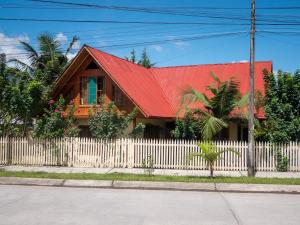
(137, 82)
(157, 91)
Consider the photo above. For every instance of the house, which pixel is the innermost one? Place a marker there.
(155, 92)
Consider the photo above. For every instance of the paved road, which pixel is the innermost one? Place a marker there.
(25, 205)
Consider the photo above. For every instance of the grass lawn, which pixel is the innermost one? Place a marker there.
(136, 177)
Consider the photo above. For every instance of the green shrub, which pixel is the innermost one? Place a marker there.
(282, 162)
(148, 165)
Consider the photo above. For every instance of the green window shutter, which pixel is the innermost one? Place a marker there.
(92, 90)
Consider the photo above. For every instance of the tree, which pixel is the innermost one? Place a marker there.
(145, 60)
(107, 122)
(57, 122)
(282, 108)
(188, 127)
(132, 56)
(48, 58)
(20, 100)
(216, 110)
(210, 154)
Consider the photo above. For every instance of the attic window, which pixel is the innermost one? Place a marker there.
(92, 66)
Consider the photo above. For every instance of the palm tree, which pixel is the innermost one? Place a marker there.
(48, 57)
(216, 110)
(210, 154)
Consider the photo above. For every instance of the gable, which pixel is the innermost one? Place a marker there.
(137, 82)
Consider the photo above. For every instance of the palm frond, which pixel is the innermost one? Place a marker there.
(212, 88)
(49, 47)
(211, 126)
(243, 101)
(215, 77)
(191, 95)
(195, 154)
(71, 45)
(22, 65)
(228, 150)
(224, 101)
(30, 51)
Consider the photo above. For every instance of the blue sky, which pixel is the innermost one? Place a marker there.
(283, 49)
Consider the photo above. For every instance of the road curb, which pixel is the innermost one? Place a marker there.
(148, 185)
(164, 185)
(30, 181)
(88, 183)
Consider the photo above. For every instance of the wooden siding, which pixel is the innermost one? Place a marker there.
(73, 85)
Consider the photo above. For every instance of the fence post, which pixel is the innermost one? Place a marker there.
(8, 150)
(69, 147)
(298, 156)
(75, 147)
(130, 162)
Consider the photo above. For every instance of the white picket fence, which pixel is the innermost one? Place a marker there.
(130, 153)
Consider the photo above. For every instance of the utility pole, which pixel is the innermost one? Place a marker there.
(251, 142)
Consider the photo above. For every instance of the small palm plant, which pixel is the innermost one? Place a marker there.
(210, 154)
(217, 109)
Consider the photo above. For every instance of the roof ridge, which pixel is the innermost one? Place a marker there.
(127, 61)
(210, 64)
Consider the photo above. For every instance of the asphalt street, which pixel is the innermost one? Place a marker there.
(33, 205)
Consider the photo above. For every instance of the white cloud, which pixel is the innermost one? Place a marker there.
(61, 38)
(178, 43)
(157, 48)
(12, 48)
(240, 61)
(76, 45)
(181, 44)
(71, 55)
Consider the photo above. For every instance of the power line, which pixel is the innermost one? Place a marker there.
(117, 22)
(164, 8)
(279, 23)
(135, 9)
(137, 44)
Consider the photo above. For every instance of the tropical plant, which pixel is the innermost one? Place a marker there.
(48, 58)
(107, 122)
(217, 109)
(20, 100)
(210, 153)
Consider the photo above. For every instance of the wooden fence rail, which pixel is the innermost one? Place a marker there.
(133, 153)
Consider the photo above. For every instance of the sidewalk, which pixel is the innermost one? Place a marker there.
(146, 185)
(171, 172)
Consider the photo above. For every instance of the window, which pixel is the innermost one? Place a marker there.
(91, 88)
(83, 90)
(118, 97)
(100, 87)
(92, 66)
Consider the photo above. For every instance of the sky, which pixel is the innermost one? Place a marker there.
(214, 31)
